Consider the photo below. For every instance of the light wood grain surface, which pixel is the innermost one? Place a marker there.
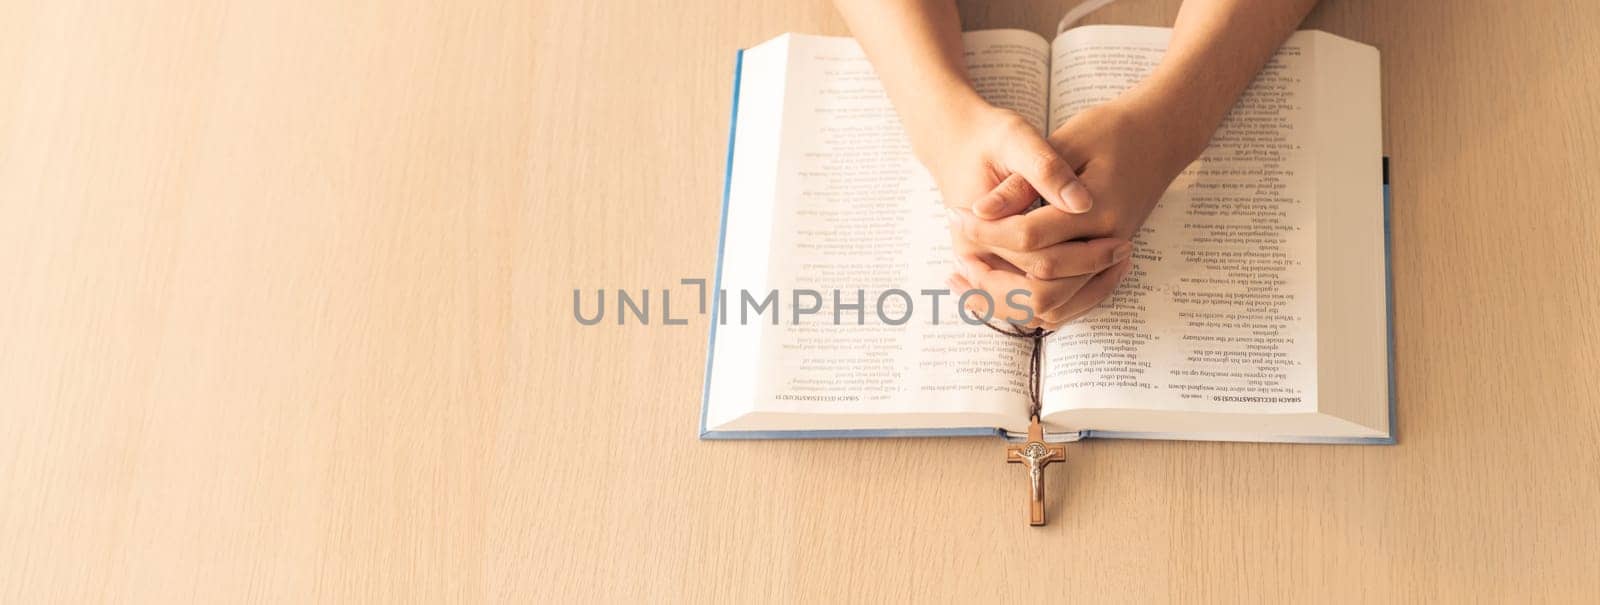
(286, 317)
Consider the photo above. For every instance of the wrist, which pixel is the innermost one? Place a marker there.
(1184, 130)
(938, 124)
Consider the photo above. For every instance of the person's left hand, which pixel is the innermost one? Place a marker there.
(1123, 158)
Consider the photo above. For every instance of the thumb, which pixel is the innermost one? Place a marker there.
(1048, 173)
(1012, 196)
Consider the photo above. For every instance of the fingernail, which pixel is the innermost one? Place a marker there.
(1122, 252)
(950, 282)
(953, 216)
(1076, 197)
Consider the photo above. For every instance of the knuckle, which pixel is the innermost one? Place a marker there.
(1047, 164)
(1100, 224)
(1022, 240)
(1029, 237)
(1044, 298)
(1015, 188)
(1045, 266)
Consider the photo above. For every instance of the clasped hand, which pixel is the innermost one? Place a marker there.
(1101, 173)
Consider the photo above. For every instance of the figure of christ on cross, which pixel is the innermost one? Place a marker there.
(1035, 453)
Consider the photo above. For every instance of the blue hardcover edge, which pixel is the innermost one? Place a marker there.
(722, 237)
(716, 311)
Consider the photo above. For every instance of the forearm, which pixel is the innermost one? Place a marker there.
(1217, 48)
(915, 46)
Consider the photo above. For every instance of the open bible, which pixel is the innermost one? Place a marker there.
(1256, 310)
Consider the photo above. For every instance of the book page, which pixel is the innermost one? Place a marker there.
(858, 229)
(1219, 312)
(1010, 69)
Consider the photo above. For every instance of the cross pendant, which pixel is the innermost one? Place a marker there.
(1036, 454)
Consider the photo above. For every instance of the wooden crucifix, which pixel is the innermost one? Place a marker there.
(1036, 454)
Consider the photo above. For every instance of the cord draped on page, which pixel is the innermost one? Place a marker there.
(1037, 336)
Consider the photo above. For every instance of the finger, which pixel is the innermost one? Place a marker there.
(1096, 291)
(1033, 230)
(1012, 196)
(1048, 173)
(977, 306)
(957, 284)
(1069, 259)
(981, 302)
(996, 263)
(1017, 298)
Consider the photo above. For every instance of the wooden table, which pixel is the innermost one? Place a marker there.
(287, 317)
